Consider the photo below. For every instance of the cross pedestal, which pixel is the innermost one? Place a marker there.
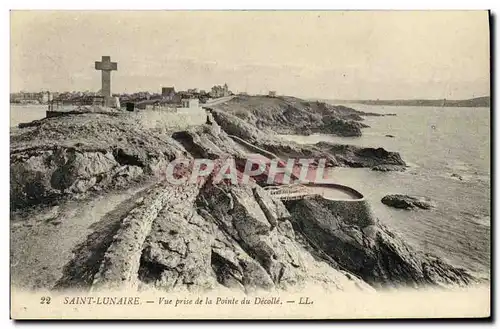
(106, 66)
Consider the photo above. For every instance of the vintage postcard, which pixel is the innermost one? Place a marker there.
(250, 164)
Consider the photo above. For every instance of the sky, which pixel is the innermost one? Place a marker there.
(319, 54)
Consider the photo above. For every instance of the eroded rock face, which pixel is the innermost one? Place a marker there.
(120, 264)
(273, 210)
(233, 125)
(350, 235)
(179, 238)
(206, 143)
(177, 252)
(232, 241)
(71, 155)
(340, 126)
(406, 202)
(38, 176)
(42, 176)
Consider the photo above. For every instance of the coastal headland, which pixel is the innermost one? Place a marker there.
(90, 210)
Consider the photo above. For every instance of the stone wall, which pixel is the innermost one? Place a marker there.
(181, 119)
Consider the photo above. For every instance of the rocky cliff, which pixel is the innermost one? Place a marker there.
(336, 154)
(290, 115)
(70, 155)
(350, 235)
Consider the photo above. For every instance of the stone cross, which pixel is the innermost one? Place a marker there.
(106, 66)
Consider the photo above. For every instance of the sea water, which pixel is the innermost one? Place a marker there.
(436, 143)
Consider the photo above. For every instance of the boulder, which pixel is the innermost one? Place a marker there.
(402, 201)
(360, 244)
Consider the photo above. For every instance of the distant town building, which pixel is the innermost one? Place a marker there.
(272, 93)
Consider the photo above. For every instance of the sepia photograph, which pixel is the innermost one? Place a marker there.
(250, 164)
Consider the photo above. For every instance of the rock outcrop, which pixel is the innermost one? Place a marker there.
(334, 154)
(238, 237)
(402, 201)
(256, 245)
(218, 237)
(339, 126)
(289, 115)
(201, 236)
(120, 264)
(457, 176)
(388, 167)
(355, 156)
(350, 235)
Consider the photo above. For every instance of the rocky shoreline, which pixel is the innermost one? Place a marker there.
(290, 115)
(199, 237)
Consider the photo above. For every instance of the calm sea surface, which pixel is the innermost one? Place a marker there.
(26, 113)
(436, 143)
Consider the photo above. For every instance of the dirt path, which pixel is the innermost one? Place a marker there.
(43, 246)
